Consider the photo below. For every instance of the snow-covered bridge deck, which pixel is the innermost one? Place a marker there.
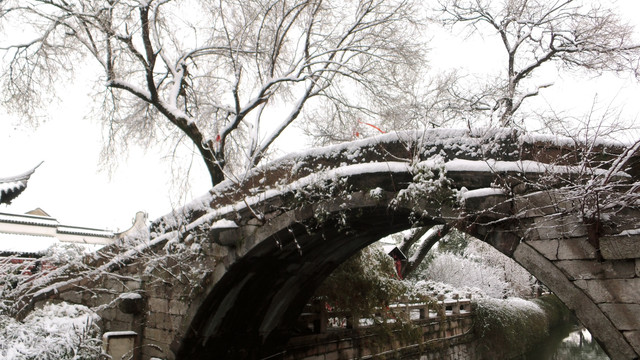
(227, 275)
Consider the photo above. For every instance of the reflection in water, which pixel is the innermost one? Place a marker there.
(567, 342)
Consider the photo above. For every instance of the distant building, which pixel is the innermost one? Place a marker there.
(31, 234)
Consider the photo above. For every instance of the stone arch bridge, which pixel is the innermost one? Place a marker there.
(227, 276)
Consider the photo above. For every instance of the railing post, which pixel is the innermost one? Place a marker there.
(406, 313)
(456, 307)
(442, 308)
(353, 321)
(320, 323)
(424, 312)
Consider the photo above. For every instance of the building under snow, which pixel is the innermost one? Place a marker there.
(31, 234)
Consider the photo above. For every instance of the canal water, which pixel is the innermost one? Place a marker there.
(567, 342)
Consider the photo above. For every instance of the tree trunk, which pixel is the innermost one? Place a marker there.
(416, 259)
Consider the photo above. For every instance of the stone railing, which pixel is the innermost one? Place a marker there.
(443, 326)
(319, 318)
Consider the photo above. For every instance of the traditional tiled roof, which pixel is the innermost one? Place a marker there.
(31, 235)
(77, 230)
(13, 186)
(28, 219)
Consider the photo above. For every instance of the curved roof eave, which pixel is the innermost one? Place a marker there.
(12, 187)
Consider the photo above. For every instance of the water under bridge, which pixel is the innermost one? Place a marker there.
(230, 273)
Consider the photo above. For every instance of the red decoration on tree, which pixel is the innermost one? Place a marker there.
(373, 126)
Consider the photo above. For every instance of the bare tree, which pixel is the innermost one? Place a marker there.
(570, 34)
(227, 76)
(400, 100)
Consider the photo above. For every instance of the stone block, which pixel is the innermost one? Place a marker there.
(624, 316)
(117, 325)
(225, 237)
(104, 298)
(620, 247)
(176, 321)
(120, 316)
(334, 355)
(159, 335)
(74, 297)
(347, 354)
(161, 291)
(611, 290)
(535, 205)
(160, 321)
(132, 285)
(558, 227)
(114, 285)
(548, 248)
(633, 337)
(177, 307)
(332, 346)
(592, 269)
(158, 305)
(215, 250)
(108, 313)
(575, 249)
(638, 267)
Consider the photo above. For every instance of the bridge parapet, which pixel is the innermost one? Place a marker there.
(318, 318)
(442, 330)
(475, 157)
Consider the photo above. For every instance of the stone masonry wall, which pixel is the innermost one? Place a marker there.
(593, 268)
(442, 340)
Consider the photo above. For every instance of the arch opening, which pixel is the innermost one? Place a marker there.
(252, 311)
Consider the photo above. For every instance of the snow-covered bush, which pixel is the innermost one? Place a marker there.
(513, 326)
(20, 276)
(65, 253)
(55, 332)
(520, 282)
(461, 272)
(425, 289)
(479, 268)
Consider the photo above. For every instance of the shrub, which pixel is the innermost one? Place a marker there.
(510, 327)
(55, 332)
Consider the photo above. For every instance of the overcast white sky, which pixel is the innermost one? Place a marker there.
(70, 187)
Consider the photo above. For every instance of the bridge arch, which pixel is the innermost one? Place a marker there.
(283, 247)
(256, 303)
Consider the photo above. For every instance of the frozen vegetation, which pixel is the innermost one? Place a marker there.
(58, 331)
(55, 332)
(481, 270)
